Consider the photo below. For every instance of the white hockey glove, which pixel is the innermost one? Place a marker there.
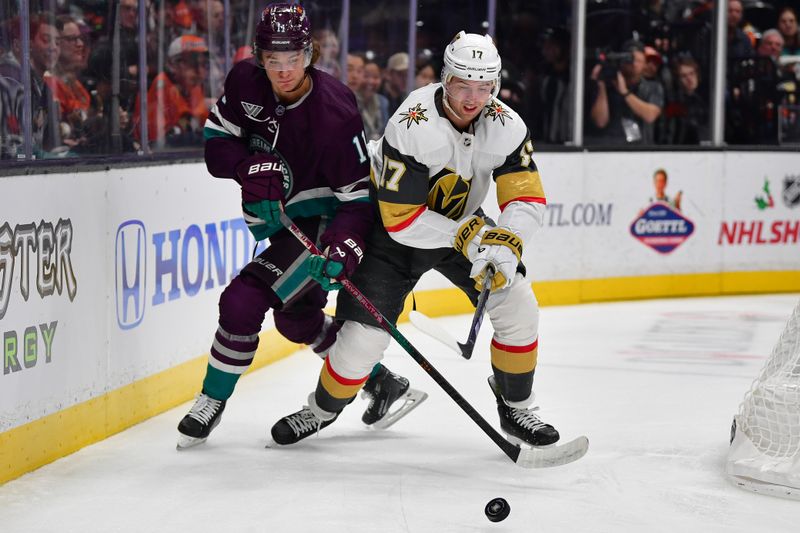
(502, 249)
(468, 236)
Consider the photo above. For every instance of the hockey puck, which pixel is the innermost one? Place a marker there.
(497, 510)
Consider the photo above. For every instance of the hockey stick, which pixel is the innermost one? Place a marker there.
(526, 458)
(427, 326)
(477, 319)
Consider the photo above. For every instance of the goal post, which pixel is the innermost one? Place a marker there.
(764, 455)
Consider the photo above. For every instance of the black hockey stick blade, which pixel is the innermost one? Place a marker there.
(477, 319)
(535, 458)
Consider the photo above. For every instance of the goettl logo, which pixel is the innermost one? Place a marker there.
(662, 228)
(176, 263)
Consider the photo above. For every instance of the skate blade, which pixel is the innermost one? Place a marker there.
(410, 401)
(185, 441)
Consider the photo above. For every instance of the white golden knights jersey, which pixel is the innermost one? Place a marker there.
(427, 175)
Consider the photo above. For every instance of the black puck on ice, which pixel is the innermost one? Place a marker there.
(497, 510)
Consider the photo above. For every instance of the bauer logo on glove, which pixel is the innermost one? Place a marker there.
(504, 237)
(468, 236)
(338, 261)
(500, 249)
(266, 167)
(356, 249)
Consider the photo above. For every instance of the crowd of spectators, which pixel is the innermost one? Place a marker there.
(659, 92)
(648, 69)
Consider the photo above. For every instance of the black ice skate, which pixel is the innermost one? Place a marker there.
(522, 426)
(384, 390)
(202, 418)
(304, 423)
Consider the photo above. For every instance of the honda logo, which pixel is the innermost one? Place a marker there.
(130, 273)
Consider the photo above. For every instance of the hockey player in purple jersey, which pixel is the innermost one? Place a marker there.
(292, 137)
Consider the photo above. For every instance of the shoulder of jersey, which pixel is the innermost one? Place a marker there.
(338, 100)
(416, 126)
(242, 75)
(504, 127)
(247, 69)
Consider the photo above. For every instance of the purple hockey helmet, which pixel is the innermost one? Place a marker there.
(283, 28)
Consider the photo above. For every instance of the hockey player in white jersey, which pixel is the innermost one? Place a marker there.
(443, 149)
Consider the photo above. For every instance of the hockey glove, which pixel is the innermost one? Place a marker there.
(340, 261)
(501, 249)
(261, 176)
(468, 236)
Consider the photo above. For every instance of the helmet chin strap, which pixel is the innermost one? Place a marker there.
(446, 103)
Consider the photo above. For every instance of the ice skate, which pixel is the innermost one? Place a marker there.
(297, 426)
(202, 418)
(522, 426)
(387, 390)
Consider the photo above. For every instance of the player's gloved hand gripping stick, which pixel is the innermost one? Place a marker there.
(339, 260)
(467, 241)
(527, 458)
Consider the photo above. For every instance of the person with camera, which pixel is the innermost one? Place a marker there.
(625, 105)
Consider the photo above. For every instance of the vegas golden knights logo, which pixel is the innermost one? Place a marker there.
(448, 194)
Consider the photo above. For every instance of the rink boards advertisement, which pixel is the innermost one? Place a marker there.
(111, 278)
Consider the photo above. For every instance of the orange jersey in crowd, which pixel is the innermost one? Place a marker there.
(71, 97)
(166, 105)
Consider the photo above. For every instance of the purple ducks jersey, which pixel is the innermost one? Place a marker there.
(319, 139)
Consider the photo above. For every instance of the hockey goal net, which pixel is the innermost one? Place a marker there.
(765, 439)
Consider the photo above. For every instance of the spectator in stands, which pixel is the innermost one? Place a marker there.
(242, 53)
(626, 112)
(652, 65)
(209, 16)
(513, 92)
(128, 15)
(355, 72)
(176, 104)
(739, 44)
(72, 96)
(425, 72)
(328, 52)
(771, 44)
(687, 114)
(374, 107)
(655, 72)
(11, 105)
(553, 123)
(787, 24)
(101, 54)
(179, 16)
(44, 52)
(100, 137)
(395, 80)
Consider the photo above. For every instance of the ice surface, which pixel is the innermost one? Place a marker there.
(653, 384)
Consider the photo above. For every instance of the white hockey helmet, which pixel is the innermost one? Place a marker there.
(471, 56)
